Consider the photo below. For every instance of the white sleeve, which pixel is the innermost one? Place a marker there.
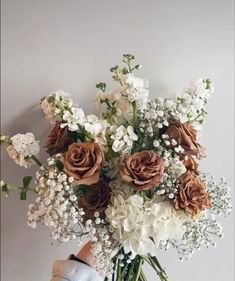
(70, 270)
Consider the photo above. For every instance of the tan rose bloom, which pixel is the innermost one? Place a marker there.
(192, 196)
(83, 161)
(58, 140)
(190, 163)
(185, 136)
(144, 170)
(95, 199)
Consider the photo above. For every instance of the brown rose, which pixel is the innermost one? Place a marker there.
(58, 140)
(185, 136)
(143, 170)
(190, 163)
(95, 199)
(192, 196)
(83, 161)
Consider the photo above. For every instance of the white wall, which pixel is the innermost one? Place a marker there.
(70, 45)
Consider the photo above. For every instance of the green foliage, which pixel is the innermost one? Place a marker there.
(101, 86)
(26, 182)
(59, 165)
(5, 139)
(77, 135)
(5, 188)
(129, 68)
(80, 189)
(208, 83)
(51, 99)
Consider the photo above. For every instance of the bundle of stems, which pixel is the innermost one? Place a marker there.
(133, 271)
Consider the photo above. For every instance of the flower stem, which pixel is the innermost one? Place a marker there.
(143, 277)
(130, 271)
(152, 261)
(118, 270)
(134, 114)
(138, 269)
(36, 160)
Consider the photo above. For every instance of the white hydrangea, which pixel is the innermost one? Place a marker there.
(123, 139)
(141, 226)
(25, 144)
(137, 90)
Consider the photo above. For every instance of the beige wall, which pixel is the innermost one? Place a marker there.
(70, 45)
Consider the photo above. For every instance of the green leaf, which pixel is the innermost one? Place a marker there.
(59, 165)
(124, 70)
(5, 139)
(101, 86)
(26, 181)
(77, 135)
(23, 194)
(114, 69)
(51, 99)
(80, 189)
(6, 189)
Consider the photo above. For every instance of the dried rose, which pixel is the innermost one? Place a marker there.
(190, 163)
(95, 199)
(184, 135)
(83, 161)
(192, 196)
(58, 140)
(143, 170)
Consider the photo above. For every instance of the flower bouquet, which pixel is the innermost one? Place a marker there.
(128, 179)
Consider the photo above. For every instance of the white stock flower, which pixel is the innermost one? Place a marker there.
(101, 97)
(136, 82)
(137, 90)
(61, 95)
(93, 125)
(47, 109)
(123, 139)
(199, 88)
(23, 146)
(14, 155)
(55, 104)
(73, 119)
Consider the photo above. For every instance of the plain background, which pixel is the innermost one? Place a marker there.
(70, 45)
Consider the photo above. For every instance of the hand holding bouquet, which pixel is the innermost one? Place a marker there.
(128, 179)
